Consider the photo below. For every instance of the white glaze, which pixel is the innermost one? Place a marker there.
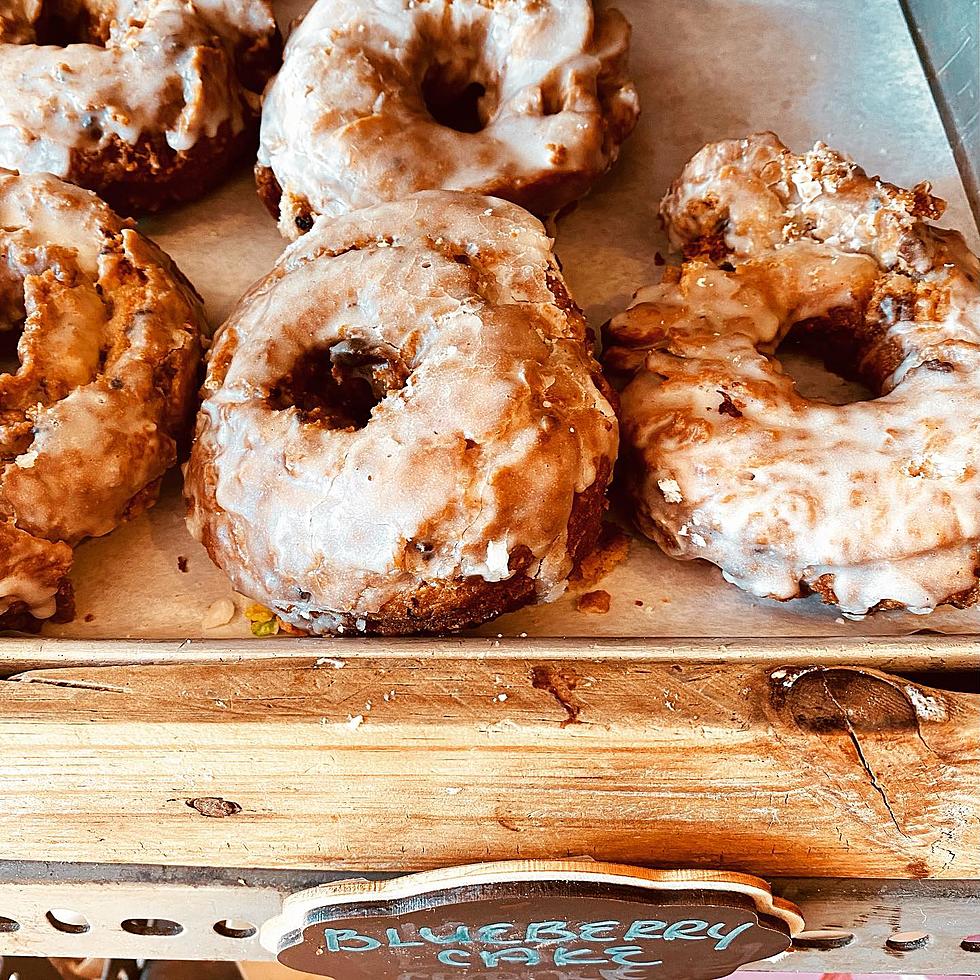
(86, 423)
(344, 124)
(167, 65)
(325, 525)
(877, 500)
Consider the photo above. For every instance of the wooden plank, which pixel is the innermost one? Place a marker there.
(925, 651)
(408, 764)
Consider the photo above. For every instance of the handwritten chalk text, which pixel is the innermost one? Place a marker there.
(546, 943)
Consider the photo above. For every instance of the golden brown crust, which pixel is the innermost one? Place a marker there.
(871, 505)
(149, 175)
(424, 375)
(448, 606)
(171, 90)
(378, 99)
(19, 619)
(109, 354)
(270, 193)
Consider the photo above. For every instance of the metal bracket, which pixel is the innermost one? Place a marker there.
(128, 911)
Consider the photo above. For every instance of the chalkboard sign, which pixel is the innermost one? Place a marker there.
(563, 920)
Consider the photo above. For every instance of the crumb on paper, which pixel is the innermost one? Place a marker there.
(262, 621)
(637, 602)
(89, 617)
(613, 549)
(219, 613)
(182, 563)
(330, 662)
(596, 602)
(354, 722)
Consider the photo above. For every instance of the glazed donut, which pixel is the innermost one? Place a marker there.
(403, 428)
(874, 504)
(144, 101)
(104, 383)
(524, 99)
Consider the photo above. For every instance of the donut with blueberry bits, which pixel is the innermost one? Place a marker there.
(874, 504)
(144, 101)
(403, 428)
(102, 386)
(528, 100)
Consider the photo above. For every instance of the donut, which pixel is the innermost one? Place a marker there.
(147, 102)
(522, 99)
(872, 505)
(403, 428)
(101, 338)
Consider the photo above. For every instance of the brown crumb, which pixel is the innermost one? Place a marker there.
(613, 548)
(89, 617)
(637, 602)
(658, 259)
(728, 407)
(594, 602)
(182, 563)
(291, 630)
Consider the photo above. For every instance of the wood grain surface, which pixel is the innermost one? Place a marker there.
(409, 764)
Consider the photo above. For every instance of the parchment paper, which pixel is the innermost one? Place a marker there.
(844, 71)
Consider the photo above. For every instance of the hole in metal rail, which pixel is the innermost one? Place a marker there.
(235, 928)
(971, 944)
(68, 920)
(151, 927)
(8, 925)
(823, 939)
(904, 941)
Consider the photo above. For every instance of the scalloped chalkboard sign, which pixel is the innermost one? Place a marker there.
(557, 920)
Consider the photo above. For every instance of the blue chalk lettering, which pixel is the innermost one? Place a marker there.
(620, 956)
(645, 929)
(457, 938)
(685, 929)
(529, 957)
(396, 942)
(589, 931)
(576, 957)
(548, 932)
(334, 939)
(726, 939)
(451, 957)
(489, 934)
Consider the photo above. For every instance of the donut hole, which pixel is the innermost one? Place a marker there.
(454, 99)
(815, 378)
(13, 316)
(9, 358)
(339, 386)
(64, 22)
(841, 358)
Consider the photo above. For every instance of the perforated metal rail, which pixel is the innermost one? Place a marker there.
(149, 912)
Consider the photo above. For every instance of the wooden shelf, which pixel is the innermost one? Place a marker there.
(399, 764)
